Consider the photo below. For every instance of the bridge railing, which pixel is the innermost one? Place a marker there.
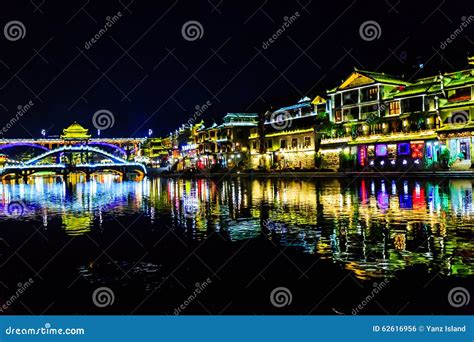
(81, 148)
(77, 166)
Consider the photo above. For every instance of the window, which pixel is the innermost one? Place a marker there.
(414, 104)
(254, 145)
(461, 94)
(269, 143)
(350, 97)
(338, 115)
(294, 143)
(366, 110)
(368, 94)
(351, 114)
(307, 141)
(394, 108)
(283, 143)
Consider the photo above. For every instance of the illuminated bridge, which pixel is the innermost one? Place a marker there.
(73, 159)
(75, 134)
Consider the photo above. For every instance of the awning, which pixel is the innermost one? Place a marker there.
(389, 139)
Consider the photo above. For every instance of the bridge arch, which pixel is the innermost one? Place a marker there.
(103, 143)
(75, 148)
(21, 144)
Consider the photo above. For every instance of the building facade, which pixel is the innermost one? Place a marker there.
(385, 123)
(288, 138)
(371, 121)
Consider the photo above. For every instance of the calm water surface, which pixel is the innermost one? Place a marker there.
(371, 227)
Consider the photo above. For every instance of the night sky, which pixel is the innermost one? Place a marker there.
(145, 72)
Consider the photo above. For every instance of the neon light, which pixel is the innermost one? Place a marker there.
(381, 150)
(81, 148)
(417, 150)
(118, 148)
(404, 149)
(362, 155)
(17, 144)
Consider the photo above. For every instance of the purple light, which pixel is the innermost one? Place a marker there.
(381, 150)
(122, 150)
(18, 144)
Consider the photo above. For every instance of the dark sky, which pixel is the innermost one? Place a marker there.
(144, 72)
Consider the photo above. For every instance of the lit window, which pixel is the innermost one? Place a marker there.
(394, 108)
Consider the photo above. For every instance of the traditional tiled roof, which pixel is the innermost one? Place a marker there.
(75, 131)
(432, 84)
(382, 77)
(241, 115)
(305, 104)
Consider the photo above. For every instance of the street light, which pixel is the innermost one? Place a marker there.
(98, 132)
(43, 133)
(150, 132)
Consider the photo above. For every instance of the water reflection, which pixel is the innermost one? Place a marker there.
(374, 227)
